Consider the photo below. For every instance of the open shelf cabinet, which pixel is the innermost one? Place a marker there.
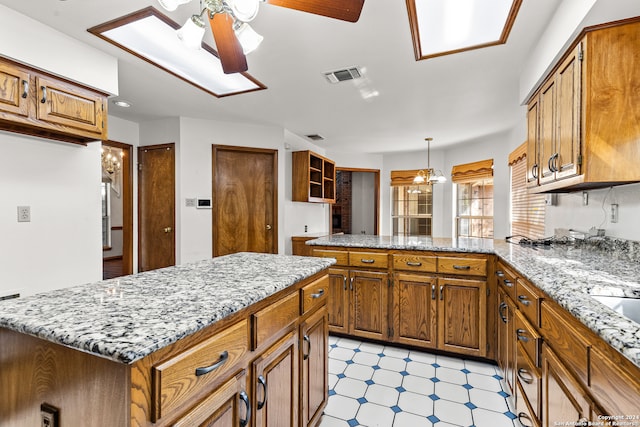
(314, 178)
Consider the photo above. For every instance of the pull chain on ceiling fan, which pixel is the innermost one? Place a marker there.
(229, 20)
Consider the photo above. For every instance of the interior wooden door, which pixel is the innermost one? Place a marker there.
(245, 200)
(156, 207)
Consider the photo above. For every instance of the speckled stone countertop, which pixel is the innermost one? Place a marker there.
(129, 318)
(570, 274)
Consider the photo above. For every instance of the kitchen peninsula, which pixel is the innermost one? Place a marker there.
(535, 310)
(177, 346)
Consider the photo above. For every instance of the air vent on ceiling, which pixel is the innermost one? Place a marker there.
(343, 75)
(315, 137)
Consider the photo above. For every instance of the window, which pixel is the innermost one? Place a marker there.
(412, 205)
(527, 210)
(474, 199)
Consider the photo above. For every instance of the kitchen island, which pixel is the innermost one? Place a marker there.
(567, 356)
(127, 351)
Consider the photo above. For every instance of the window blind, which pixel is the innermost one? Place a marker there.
(403, 177)
(527, 210)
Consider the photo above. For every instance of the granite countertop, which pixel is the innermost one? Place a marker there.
(128, 318)
(570, 274)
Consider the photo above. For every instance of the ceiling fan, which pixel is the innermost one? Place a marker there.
(229, 19)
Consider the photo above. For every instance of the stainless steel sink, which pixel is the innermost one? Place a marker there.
(628, 307)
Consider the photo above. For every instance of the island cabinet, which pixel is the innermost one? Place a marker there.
(265, 365)
(35, 103)
(416, 298)
(581, 133)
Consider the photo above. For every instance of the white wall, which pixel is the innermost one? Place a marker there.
(48, 49)
(62, 245)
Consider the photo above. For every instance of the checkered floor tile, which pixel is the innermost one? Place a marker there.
(375, 385)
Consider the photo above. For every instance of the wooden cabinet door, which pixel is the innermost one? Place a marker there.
(15, 90)
(314, 345)
(568, 103)
(506, 341)
(563, 400)
(369, 304)
(227, 406)
(414, 309)
(462, 316)
(275, 384)
(338, 300)
(69, 106)
(533, 162)
(547, 132)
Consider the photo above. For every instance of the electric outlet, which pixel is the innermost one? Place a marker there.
(190, 203)
(49, 416)
(614, 212)
(24, 213)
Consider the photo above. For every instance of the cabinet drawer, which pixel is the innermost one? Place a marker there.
(466, 266)
(341, 256)
(527, 336)
(314, 294)
(506, 280)
(368, 259)
(415, 263)
(528, 302)
(529, 380)
(566, 342)
(273, 319)
(180, 379)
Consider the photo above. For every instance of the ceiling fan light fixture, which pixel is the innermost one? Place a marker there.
(172, 5)
(244, 10)
(248, 38)
(191, 32)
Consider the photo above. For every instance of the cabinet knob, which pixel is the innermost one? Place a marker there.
(268, 226)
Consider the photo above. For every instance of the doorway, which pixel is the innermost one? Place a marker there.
(245, 200)
(117, 210)
(357, 207)
(156, 206)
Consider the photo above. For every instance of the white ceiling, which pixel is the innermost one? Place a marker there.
(453, 99)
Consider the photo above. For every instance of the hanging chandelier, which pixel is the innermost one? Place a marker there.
(429, 175)
(111, 163)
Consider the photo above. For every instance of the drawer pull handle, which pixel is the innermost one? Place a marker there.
(503, 306)
(308, 341)
(525, 376)
(461, 267)
(500, 273)
(345, 282)
(247, 403)
(520, 333)
(508, 283)
(522, 415)
(318, 295)
(523, 299)
(351, 284)
(25, 89)
(44, 94)
(367, 261)
(441, 293)
(433, 292)
(263, 383)
(224, 356)
(414, 264)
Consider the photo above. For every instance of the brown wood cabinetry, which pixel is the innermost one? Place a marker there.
(582, 131)
(506, 343)
(413, 298)
(314, 178)
(35, 103)
(265, 365)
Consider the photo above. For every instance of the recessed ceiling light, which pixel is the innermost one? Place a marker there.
(122, 103)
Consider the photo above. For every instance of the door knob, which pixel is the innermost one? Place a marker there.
(268, 226)
(167, 230)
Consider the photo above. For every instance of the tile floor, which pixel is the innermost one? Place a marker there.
(375, 385)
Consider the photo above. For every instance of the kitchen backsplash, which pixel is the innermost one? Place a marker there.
(620, 248)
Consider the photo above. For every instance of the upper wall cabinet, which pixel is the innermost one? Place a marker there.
(35, 103)
(584, 121)
(314, 178)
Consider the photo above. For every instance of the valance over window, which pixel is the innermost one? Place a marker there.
(475, 171)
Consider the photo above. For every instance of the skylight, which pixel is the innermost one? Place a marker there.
(443, 27)
(150, 35)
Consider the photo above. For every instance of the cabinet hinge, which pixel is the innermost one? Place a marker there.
(580, 160)
(390, 332)
(390, 282)
(580, 55)
(488, 292)
(139, 166)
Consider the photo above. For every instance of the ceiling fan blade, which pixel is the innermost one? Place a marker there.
(227, 44)
(345, 10)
